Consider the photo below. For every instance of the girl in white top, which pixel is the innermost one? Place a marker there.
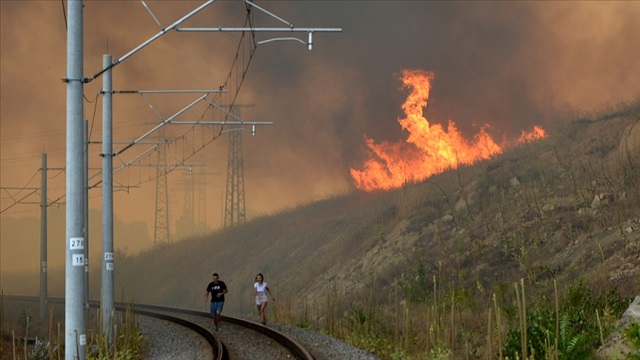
(260, 290)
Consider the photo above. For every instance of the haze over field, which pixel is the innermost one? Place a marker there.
(508, 65)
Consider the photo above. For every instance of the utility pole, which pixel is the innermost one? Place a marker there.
(43, 239)
(85, 211)
(107, 292)
(44, 205)
(75, 322)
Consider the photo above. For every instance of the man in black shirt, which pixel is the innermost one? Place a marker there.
(217, 288)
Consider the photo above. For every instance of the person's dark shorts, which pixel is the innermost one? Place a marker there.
(216, 307)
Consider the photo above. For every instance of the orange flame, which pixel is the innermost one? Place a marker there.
(535, 134)
(429, 149)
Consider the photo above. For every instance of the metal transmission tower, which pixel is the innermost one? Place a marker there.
(234, 210)
(193, 220)
(196, 208)
(186, 225)
(161, 229)
(188, 211)
(202, 202)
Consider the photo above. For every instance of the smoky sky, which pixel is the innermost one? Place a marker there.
(509, 65)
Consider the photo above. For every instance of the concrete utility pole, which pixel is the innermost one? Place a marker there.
(44, 204)
(75, 322)
(43, 239)
(107, 296)
(75, 325)
(85, 212)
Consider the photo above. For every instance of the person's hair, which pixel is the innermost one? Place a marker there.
(260, 274)
(215, 274)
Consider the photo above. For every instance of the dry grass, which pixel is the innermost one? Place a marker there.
(348, 261)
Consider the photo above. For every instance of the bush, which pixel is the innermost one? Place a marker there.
(577, 330)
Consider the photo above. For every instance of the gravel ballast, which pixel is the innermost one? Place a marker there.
(169, 342)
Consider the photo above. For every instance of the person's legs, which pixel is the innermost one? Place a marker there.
(216, 311)
(213, 309)
(263, 307)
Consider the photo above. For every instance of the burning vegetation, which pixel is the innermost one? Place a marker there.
(430, 148)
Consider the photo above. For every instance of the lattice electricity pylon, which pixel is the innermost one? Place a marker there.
(161, 233)
(234, 211)
(202, 201)
(186, 224)
(193, 219)
(188, 209)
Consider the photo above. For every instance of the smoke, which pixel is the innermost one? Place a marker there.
(511, 65)
(21, 241)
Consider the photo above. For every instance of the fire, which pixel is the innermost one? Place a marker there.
(535, 134)
(430, 148)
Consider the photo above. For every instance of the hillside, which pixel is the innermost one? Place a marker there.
(560, 209)
(563, 208)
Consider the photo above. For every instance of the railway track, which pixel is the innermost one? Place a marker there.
(196, 321)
